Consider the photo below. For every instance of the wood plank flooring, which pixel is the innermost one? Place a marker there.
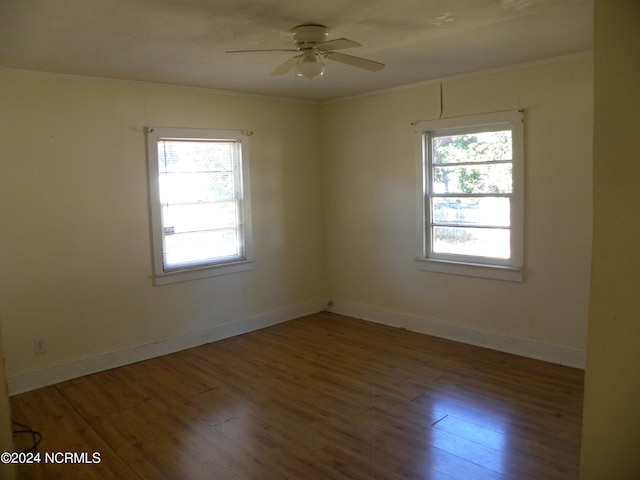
(321, 397)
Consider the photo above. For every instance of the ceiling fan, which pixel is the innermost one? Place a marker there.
(312, 44)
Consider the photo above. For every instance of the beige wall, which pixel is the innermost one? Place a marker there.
(611, 427)
(335, 215)
(371, 210)
(75, 244)
(7, 470)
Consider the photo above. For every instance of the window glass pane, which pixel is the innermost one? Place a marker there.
(473, 179)
(486, 211)
(476, 147)
(478, 242)
(200, 211)
(197, 187)
(200, 247)
(199, 216)
(473, 200)
(195, 156)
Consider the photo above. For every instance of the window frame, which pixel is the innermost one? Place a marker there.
(510, 269)
(192, 271)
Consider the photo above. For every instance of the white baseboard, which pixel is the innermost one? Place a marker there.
(563, 355)
(30, 380)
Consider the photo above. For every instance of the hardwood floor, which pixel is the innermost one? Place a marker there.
(321, 397)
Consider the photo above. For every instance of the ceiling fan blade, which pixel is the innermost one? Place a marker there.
(286, 66)
(355, 61)
(337, 44)
(265, 50)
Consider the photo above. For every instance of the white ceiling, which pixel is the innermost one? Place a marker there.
(183, 42)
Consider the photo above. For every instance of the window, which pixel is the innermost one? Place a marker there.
(200, 206)
(472, 195)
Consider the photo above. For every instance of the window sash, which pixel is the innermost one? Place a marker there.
(199, 202)
(509, 221)
(189, 187)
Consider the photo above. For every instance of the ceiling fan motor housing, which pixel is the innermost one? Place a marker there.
(308, 36)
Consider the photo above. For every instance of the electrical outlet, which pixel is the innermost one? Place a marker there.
(38, 347)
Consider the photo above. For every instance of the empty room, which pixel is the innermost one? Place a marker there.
(349, 240)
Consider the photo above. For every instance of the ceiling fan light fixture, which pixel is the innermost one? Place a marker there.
(310, 66)
(310, 42)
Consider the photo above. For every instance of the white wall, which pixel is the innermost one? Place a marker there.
(75, 246)
(611, 427)
(371, 212)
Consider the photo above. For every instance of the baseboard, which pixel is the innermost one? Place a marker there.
(30, 380)
(559, 354)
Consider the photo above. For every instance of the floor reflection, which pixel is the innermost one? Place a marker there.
(467, 443)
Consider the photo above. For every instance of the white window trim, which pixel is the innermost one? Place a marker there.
(162, 276)
(511, 270)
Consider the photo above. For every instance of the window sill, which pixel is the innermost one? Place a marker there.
(202, 272)
(492, 272)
